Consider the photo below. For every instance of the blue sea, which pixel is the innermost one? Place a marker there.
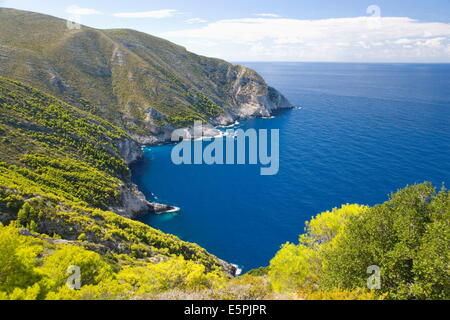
(362, 132)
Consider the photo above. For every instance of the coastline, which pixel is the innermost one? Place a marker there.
(210, 133)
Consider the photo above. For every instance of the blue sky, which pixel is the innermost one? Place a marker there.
(283, 30)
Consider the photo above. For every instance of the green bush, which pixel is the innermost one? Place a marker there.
(407, 238)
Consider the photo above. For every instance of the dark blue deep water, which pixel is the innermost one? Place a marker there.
(364, 130)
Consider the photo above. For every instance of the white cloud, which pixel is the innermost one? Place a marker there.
(404, 41)
(195, 20)
(435, 42)
(76, 10)
(343, 39)
(268, 15)
(156, 14)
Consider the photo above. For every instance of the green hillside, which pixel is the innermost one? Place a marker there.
(61, 169)
(144, 84)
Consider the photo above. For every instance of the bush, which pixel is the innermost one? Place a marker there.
(298, 266)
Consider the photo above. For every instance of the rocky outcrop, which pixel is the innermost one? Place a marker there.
(134, 204)
(248, 96)
(276, 100)
(229, 268)
(251, 96)
(129, 150)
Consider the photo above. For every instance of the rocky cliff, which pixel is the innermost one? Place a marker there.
(132, 203)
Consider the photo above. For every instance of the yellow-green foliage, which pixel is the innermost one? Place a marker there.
(17, 260)
(65, 177)
(37, 268)
(293, 268)
(328, 225)
(34, 122)
(54, 267)
(298, 266)
(406, 237)
(171, 274)
(337, 294)
(61, 218)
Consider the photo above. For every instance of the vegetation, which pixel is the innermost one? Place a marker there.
(34, 122)
(118, 74)
(124, 259)
(38, 268)
(407, 237)
(142, 269)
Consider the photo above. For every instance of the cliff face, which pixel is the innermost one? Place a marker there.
(251, 96)
(132, 203)
(129, 150)
(146, 85)
(245, 95)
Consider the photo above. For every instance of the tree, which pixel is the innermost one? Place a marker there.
(17, 260)
(297, 267)
(55, 267)
(407, 237)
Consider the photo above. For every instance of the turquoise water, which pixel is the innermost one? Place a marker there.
(364, 130)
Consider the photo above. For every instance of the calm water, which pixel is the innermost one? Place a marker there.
(364, 130)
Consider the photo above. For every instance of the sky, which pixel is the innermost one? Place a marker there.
(283, 30)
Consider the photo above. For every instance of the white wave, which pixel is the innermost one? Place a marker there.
(230, 126)
(221, 134)
(175, 209)
(238, 269)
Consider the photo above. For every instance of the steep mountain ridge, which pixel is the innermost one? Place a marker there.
(144, 84)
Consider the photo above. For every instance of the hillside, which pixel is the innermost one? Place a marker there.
(37, 129)
(144, 84)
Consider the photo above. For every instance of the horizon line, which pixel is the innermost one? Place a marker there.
(347, 62)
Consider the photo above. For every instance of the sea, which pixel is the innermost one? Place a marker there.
(358, 132)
